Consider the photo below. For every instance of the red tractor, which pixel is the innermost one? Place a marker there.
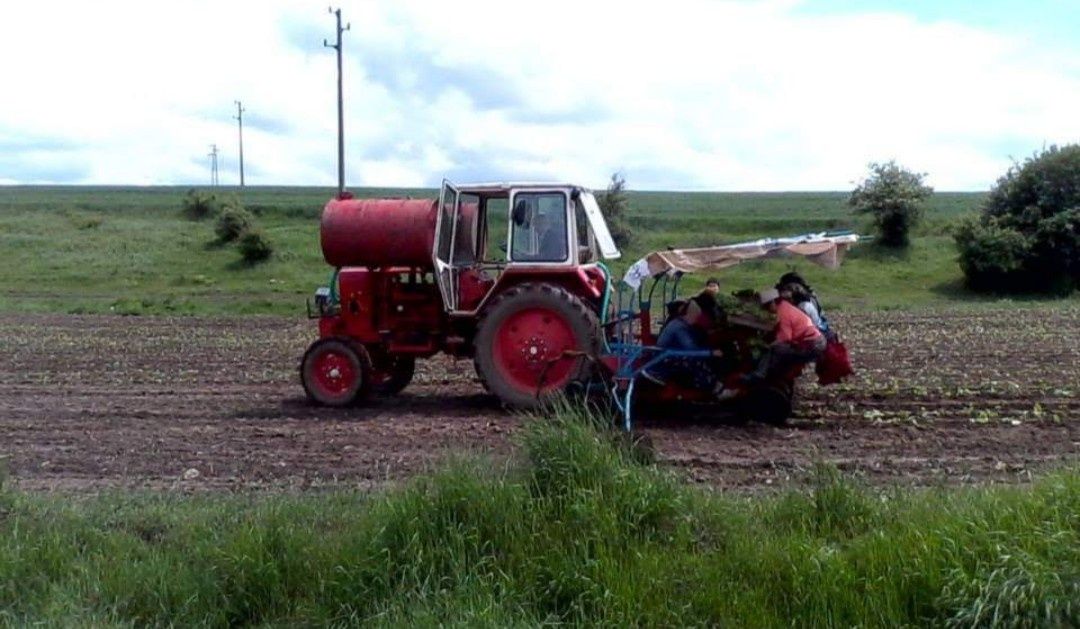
(509, 275)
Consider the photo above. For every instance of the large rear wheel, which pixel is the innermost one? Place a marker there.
(336, 372)
(529, 342)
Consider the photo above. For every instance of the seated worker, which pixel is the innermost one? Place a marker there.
(711, 300)
(794, 288)
(673, 310)
(688, 331)
(797, 296)
(798, 341)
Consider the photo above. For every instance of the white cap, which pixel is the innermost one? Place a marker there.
(768, 296)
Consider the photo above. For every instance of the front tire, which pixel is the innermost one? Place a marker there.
(336, 372)
(522, 338)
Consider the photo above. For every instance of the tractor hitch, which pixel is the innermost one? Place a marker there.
(325, 306)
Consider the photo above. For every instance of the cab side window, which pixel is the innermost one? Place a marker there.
(466, 234)
(496, 221)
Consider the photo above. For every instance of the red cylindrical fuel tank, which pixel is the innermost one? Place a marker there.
(378, 232)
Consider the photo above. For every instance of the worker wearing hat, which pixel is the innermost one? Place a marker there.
(797, 341)
(794, 288)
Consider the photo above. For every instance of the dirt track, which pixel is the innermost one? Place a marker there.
(94, 402)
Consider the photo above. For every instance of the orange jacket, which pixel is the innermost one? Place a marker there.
(793, 326)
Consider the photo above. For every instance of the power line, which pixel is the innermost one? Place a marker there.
(213, 155)
(340, 103)
(240, 120)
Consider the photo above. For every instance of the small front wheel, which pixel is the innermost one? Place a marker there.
(336, 372)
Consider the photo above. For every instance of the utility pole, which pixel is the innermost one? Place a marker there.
(213, 164)
(240, 120)
(340, 104)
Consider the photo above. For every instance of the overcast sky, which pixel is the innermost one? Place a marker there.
(678, 94)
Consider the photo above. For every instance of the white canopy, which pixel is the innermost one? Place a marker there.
(823, 249)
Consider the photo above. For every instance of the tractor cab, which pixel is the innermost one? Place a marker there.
(498, 233)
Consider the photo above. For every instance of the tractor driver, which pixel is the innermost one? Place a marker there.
(539, 236)
(552, 238)
(798, 340)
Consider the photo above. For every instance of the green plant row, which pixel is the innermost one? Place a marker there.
(579, 529)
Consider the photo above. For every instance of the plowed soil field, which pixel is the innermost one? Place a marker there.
(95, 402)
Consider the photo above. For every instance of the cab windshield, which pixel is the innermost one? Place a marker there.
(539, 231)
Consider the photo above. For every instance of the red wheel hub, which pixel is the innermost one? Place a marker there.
(529, 350)
(333, 372)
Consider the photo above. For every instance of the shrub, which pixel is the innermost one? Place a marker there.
(991, 257)
(1055, 248)
(255, 246)
(1043, 186)
(895, 197)
(1030, 226)
(613, 205)
(199, 205)
(233, 221)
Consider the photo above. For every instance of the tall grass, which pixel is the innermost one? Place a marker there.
(575, 529)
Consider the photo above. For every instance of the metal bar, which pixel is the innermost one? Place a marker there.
(675, 286)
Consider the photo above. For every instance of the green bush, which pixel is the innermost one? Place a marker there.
(894, 196)
(232, 222)
(1028, 235)
(255, 246)
(991, 257)
(1055, 247)
(199, 205)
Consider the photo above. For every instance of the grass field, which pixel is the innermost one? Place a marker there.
(576, 530)
(128, 250)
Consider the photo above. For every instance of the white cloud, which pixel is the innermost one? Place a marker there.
(688, 94)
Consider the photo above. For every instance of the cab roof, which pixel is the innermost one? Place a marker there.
(506, 186)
